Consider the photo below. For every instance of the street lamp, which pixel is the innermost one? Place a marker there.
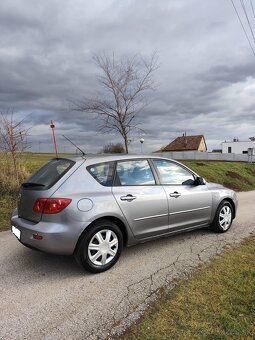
(142, 141)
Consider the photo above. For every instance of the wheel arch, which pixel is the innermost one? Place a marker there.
(113, 219)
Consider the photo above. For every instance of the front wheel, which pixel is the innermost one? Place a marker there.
(223, 217)
(100, 247)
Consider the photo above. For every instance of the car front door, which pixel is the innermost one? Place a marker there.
(143, 203)
(190, 205)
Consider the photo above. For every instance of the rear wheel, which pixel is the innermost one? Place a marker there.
(100, 247)
(223, 217)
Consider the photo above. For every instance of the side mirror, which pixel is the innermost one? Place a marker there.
(199, 181)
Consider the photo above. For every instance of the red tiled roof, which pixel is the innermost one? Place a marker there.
(184, 143)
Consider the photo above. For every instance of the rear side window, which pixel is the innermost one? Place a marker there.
(49, 174)
(102, 172)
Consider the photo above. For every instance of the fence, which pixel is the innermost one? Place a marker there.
(208, 156)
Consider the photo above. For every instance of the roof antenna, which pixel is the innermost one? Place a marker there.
(83, 153)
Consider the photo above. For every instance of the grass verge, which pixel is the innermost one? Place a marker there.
(217, 302)
(239, 176)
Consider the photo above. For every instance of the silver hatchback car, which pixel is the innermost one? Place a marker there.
(93, 206)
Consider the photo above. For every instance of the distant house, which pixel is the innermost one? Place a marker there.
(238, 147)
(187, 143)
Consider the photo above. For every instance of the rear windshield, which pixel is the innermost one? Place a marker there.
(49, 174)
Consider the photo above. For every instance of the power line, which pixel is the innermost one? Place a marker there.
(252, 8)
(243, 27)
(247, 18)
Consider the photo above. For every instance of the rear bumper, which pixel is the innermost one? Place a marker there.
(57, 238)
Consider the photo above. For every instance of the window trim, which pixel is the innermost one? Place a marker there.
(175, 163)
(135, 185)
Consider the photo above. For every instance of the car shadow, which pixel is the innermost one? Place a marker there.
(36, 264)
(166, 241)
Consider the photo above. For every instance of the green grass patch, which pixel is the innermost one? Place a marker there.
(239, 176)
(217, 302)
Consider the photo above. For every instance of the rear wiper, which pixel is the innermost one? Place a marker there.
(31, 184)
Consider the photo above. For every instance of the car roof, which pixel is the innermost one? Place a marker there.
(99, 158)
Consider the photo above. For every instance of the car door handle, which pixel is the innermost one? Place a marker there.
(175, 194)
(128, 198)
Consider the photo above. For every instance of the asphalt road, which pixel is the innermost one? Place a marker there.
(48, 297)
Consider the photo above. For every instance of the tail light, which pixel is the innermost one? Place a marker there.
(51, 205)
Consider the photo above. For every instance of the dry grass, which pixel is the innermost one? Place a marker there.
(9, 180)
(10, 183)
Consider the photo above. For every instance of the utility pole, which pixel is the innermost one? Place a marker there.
(54, 138)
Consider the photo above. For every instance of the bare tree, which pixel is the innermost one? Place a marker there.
(125, 84)
(13, 140)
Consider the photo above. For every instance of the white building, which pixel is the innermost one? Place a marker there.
(239, 147)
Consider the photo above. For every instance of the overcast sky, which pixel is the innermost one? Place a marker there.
(205, 77)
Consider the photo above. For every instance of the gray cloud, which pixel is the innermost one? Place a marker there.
(205, 79)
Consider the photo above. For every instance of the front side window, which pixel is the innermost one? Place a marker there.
(171, 173)
(134, 172)
(102, 172)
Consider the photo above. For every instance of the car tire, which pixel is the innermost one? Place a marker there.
(223, 217)
(100, 246)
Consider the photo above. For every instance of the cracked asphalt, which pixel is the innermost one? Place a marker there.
(49, 297)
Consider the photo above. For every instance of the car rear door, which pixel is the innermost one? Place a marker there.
(141, 200)
(190, 205)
